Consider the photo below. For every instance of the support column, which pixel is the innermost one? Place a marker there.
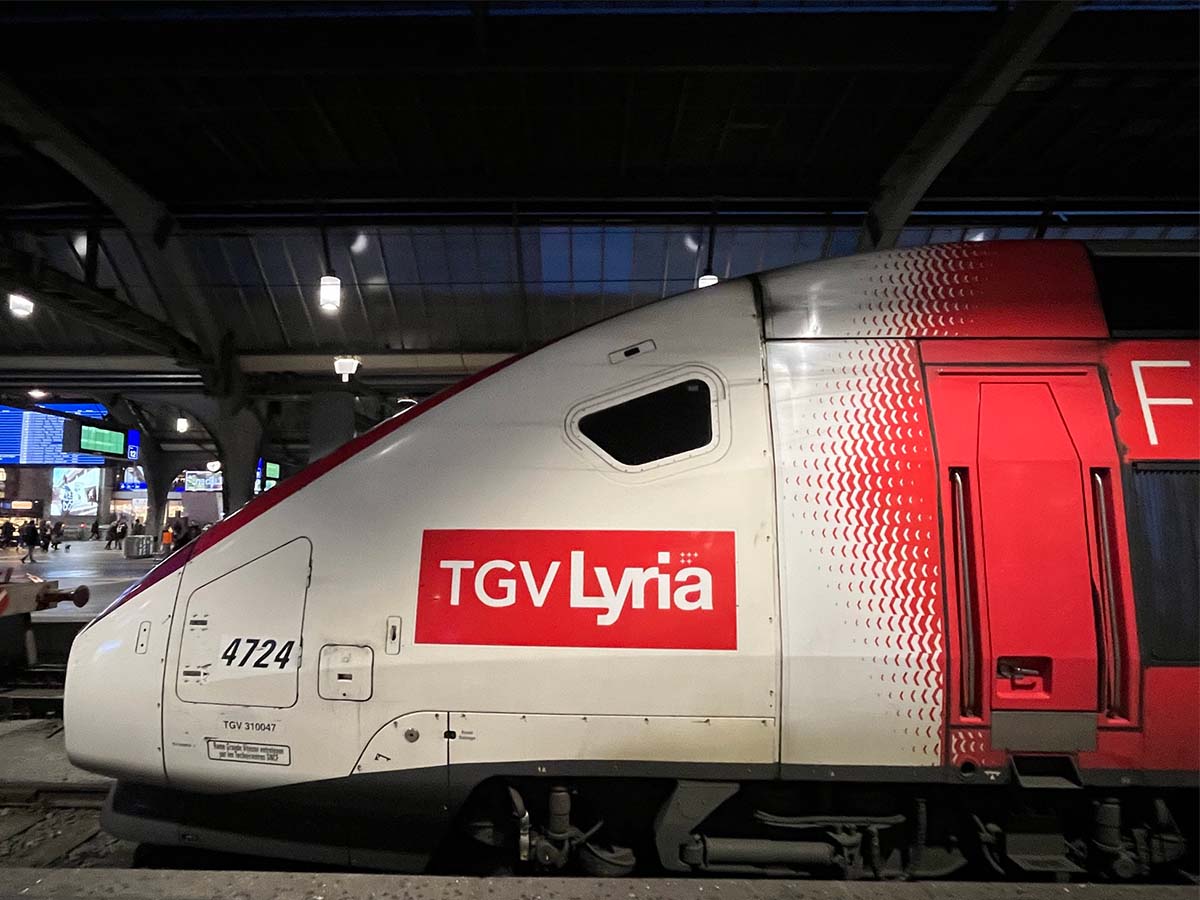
(156, 465)
(158, 486)
(330, 422)
(239, 439)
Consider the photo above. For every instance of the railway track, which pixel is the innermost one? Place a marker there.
(52, 847)
(54, 827)
(50, 827)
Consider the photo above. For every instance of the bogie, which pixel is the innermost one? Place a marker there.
(853, 832)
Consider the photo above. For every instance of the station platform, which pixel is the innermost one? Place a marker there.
(141, 884)
(105, 572)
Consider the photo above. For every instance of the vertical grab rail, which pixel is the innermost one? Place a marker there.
(1112, 681)
(966, 605)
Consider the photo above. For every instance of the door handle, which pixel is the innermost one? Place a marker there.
(1008, 670)
(1112, 679)
(971, 669)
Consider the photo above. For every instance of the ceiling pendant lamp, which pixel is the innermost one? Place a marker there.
(708, 279)
(329, 295)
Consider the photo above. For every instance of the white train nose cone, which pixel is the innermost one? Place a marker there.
(112, 707)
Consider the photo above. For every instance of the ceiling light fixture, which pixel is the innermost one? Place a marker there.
(20, 306)
(329, 297)
(182, 424)
(346, 366)
(37, 393)
(360, 244)
(708, 279)
(213, 465)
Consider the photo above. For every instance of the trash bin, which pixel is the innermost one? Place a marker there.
(138, 546)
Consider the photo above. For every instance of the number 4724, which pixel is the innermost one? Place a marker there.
(262, 647)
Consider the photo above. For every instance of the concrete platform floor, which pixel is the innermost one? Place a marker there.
(137, 884)
(105, 572)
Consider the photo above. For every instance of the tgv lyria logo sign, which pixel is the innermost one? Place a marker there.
(650, 589)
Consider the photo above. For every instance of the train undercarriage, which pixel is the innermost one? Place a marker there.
(605, 827)
(609, 826)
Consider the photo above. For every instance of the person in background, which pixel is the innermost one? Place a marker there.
(138, 527)
(190, 534)
(44, 533)
(96, 530)
(122, 530)
(7, 530)
(31, 539)
(56, 535)
(110, 535)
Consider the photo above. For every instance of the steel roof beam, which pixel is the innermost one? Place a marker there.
(24, 273)
(1028, 28)
(150, 225)
(417, 363)
(256, 217)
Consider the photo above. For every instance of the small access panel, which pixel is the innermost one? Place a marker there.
(345, 671)
(1027, 462)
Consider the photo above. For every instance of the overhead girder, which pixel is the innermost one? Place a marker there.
(1016, 46)
(267, 375)
(148, 221)
(777, 209)
(24, 273)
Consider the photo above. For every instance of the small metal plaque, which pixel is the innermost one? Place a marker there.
(240, 751)
(1043, 732)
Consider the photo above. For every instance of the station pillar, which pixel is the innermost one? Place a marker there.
(330, 422)
(161, 468)
(239, 439)
(158, 486)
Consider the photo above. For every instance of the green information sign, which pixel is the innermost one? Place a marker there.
(272, 470)
(101, 440)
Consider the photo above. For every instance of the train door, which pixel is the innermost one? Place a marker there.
(1027, 463)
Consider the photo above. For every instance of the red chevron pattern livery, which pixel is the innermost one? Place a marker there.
(971, 290)
(1011, 288)
(972, 746)
(859, 511)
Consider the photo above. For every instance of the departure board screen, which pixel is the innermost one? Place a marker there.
(102, 440)
(32, 438)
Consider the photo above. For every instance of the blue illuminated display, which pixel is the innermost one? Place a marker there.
(35, 439)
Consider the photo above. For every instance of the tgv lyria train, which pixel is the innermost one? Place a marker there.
(878, 566)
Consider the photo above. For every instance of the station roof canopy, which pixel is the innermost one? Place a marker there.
(490, 175)
(231, 109)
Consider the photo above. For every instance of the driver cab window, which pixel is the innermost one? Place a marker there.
(666, 423)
